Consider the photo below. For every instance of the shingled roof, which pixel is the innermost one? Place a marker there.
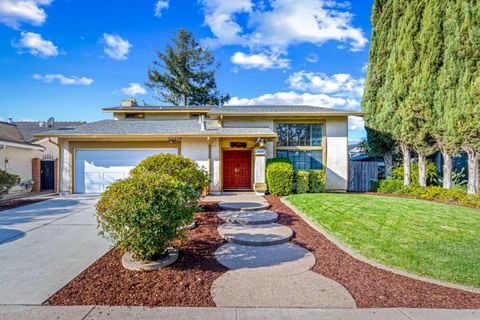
(9, 132)
(188, 127)
(31, 128)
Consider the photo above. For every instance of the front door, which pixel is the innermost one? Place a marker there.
(237, 169)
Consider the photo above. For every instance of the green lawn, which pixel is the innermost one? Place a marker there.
(436, 240)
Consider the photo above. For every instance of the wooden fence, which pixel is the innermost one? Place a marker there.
(360, 173)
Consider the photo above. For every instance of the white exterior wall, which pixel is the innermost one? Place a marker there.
(65, 167)
(337, 154)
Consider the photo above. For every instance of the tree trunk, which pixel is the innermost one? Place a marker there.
(422, 169)
(184, 100)
(472, 186)
(447, 169)
(405, 148)
(388, 159)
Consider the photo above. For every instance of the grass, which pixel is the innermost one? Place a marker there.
(435, 240)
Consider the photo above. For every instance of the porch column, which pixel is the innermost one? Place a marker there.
(65, 168)
(215, 166)
(259, 184)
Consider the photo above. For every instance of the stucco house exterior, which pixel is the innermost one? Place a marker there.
(22, 153)
(231, 142)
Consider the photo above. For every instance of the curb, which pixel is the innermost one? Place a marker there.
(362, 258)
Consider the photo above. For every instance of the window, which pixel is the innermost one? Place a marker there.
(301, 143)
(303, 160)
(299, 134)
(134, 115)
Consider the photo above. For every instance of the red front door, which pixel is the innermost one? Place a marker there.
(237, 168)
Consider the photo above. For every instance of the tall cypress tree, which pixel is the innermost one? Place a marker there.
(422, 92)
(468, 95)
(379, 139)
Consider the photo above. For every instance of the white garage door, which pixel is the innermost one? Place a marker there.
(95, 169)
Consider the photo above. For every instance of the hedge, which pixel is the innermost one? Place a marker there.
(302, 180)
(317, 181)
(276, 160)
(280, 178)
(434, 193)
(431, 173)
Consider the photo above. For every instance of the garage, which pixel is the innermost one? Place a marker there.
(96, 169)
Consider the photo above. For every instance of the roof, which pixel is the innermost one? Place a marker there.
(171, 128)
(31, 128)
(268, 110)
(257, 110)
(10, 133)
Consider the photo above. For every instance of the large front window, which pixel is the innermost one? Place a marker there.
(301, 143)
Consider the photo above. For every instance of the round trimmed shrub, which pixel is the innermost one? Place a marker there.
(183, 169)
(301, 180)
(142, 213)
(280, 178)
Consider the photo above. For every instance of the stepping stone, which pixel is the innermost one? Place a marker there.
(278, 260)
(304, 290)
(249, 217)
(244, 206)
(255, 235)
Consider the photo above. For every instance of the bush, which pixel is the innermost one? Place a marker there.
(390, 185)
(431, 173)
(317, 181)
(184, 169)
(276, 160)
(280, 178)
(142, 213)
(374, 185)
(302, 179)
(7, 181)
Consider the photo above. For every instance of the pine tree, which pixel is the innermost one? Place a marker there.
(185, 74)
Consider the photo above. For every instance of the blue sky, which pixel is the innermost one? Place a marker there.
(70, 58)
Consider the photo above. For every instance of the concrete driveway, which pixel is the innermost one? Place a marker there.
(45, 245)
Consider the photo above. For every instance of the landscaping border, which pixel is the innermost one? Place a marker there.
(362, 258)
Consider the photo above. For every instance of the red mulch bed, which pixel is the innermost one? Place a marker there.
(371, 287)
(185, 283)
(14, 203)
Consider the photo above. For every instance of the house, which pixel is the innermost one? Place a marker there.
(30, 157)
(231, 142)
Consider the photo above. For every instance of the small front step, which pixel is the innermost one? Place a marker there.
(249, 217)
(255, 235)
(244, 206)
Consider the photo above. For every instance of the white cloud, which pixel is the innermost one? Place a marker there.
(14, 12)
(64, 80)
(36, 45)
(342, 84)
(116, 47)
(291, 97)
(260, 60)
(281, 24)
(364, 68)
(220, 18)
(356, 123)
(160, 6)
(312, 58)
(134, 89)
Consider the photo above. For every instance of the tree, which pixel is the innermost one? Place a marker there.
(377, 120)
(184, 73)
(421, 95)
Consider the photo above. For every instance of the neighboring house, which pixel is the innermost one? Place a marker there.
(230, 142)
(29, 157)
(356, 150)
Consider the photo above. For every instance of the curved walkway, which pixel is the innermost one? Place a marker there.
(266, 270)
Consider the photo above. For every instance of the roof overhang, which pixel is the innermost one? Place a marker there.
(163, 136)
(21, 145)
(148, 110)
(289, 114)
